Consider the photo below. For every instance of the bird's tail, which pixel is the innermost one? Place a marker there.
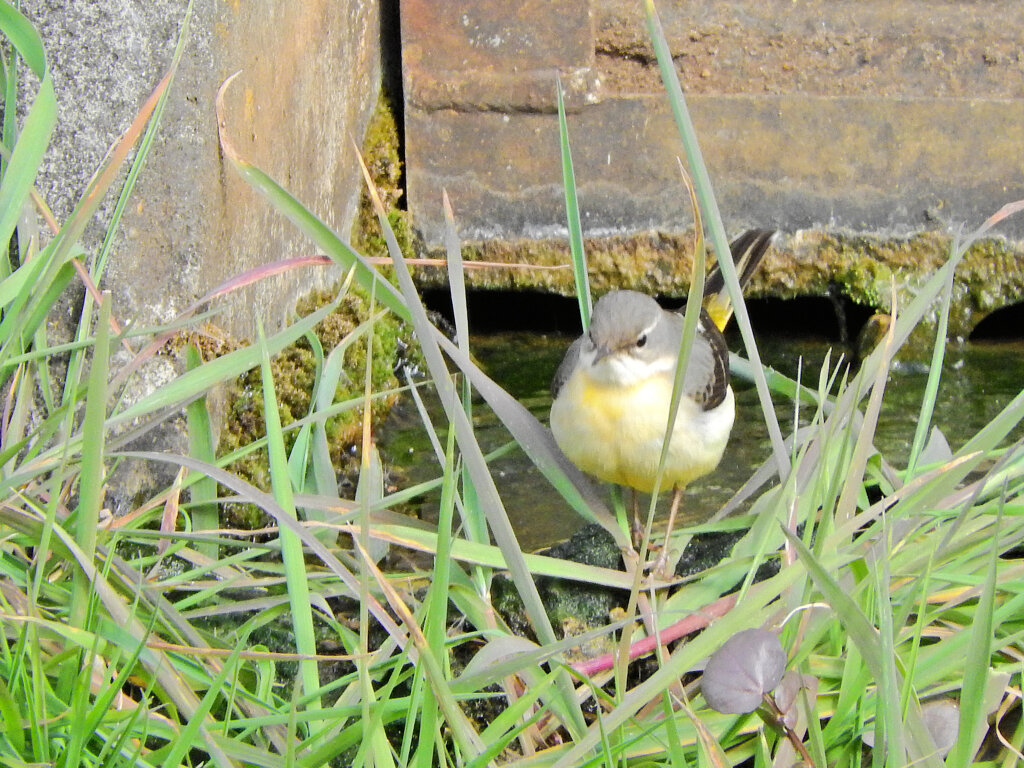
(747, 251)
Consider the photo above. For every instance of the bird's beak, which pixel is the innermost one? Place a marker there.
(601, 352)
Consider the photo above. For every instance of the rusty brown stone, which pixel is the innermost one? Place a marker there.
(859, 163)
(866, 131)
(909, 49)
(471, 55)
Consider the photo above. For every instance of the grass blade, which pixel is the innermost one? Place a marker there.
(291, 546)
(713, 219)
(572, 214)
(201, 447)
(40, 119)
(976, 672)
(919, 742)
(93, 472)
(491, 502)
(934, 375)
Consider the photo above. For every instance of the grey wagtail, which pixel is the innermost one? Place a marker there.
(611, 394)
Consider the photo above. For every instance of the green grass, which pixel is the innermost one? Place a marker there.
(158, 638)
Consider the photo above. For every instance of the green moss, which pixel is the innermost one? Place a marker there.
(383, 159)
(294, 372)
(993, 272)
(294, 369)
(865, 281)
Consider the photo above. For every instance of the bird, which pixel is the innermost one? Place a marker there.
(612, 392)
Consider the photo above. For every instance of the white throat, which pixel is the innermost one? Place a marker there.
(623, 369)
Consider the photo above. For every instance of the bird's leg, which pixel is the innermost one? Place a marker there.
(638, 526)
(662, 561)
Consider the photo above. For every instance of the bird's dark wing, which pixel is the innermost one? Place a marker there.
(707, 370)
(707, 373)
(567, 366)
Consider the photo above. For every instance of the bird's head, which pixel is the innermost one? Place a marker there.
(631, 338)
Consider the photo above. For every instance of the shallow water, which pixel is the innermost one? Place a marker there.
(978, 380)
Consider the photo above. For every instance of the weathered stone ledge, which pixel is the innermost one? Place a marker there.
(805, 263)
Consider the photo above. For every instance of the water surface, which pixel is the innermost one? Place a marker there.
(978, 380)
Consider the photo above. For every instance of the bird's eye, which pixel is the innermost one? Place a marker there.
(642, 341)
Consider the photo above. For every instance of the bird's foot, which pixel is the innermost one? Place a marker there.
(658, 567)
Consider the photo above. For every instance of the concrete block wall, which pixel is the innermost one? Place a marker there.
(309, 80)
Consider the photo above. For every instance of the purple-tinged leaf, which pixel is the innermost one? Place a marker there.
(748, 665)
